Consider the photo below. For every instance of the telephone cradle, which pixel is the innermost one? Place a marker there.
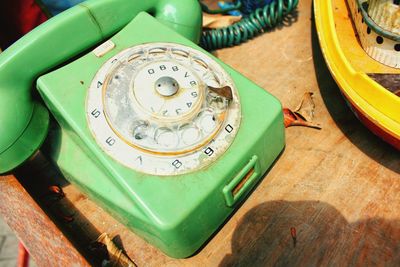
(164, 136)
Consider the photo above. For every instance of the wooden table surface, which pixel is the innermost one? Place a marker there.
(339, 186)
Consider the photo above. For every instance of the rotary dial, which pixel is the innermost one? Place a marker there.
(157, 108)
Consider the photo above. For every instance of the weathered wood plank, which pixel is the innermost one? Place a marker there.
(45, 242)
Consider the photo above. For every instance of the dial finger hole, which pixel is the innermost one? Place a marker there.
(165, 137)
(140, 129)
(179, 54)
(216, 102)
(190, 133)
(199, 64)
(206, 120)
(136, 56)
(157, 52)
(118, 78)
(211, 79)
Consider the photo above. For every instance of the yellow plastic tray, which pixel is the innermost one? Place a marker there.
(349, 68)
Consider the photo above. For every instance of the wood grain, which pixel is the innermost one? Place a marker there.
(339, 186)
(40, 235)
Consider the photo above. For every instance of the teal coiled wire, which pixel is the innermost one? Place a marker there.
(249, 27)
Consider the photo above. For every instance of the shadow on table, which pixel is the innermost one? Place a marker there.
(37, 176)
(324, 237)
(344, 118)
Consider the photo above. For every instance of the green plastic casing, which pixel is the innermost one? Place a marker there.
(23, 120)
(174, 213)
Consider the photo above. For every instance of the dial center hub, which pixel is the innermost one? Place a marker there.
(166, 86)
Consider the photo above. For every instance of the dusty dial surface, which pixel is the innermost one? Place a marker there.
(163, 109)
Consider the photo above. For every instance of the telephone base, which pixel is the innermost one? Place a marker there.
(176, 213)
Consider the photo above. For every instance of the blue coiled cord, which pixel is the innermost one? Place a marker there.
(249, 27)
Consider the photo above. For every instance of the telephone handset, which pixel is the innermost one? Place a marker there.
(24, 123)
(162, 134)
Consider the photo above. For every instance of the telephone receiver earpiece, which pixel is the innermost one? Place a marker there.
(24, 121)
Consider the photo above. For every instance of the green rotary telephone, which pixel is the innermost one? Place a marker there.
(163, 135)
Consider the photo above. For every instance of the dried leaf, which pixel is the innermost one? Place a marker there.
(306, 107)
(57, 190)
(303, 114)
(294, 119)
(294, 235)
(218, 21)
(53, 199)
(117, 255)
